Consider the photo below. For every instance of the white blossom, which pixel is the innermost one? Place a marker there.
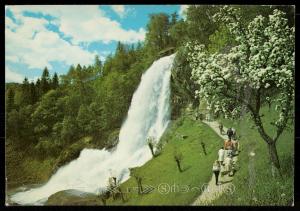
(263, 56)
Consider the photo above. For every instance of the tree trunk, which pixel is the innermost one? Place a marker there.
(178, 165)
(271, 142)
(274, 156)
(151, 149)
(141, 186)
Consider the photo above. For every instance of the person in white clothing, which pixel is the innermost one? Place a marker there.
(221, 154)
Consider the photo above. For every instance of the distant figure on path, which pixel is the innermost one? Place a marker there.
(229, 133)
(216, 170)
(221, 128)
(221, 154)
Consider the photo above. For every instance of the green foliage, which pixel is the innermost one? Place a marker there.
(178, 33)
(69, 129)
(221, 40)
(157, 36)
(19, 126)
(45, 81)
(182, 87)
(199, 22)
(98, 66)
(55, 81)
(47, 113)
(10, 100)
(47, 148)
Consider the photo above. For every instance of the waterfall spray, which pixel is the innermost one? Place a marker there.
(148, 115)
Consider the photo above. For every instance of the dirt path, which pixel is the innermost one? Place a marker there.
(211, 190)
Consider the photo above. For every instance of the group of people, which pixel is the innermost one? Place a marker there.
(231, 133)
(225, 162)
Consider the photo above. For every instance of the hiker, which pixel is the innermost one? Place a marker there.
(221, 128)
(221, 153)
(233, 133)
(228, 146)
(216, 169)
(229, 133)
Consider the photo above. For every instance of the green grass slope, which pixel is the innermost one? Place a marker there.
(182, 187)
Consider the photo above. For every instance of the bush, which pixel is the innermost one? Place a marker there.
(47, 148)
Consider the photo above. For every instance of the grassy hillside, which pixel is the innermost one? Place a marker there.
(184, 186)
(254, 184)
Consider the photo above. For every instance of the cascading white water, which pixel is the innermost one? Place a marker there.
(148, 115)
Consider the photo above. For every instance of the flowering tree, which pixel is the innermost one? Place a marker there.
(261, 64)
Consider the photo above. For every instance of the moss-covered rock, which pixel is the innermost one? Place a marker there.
(73, 197)
(112, 139)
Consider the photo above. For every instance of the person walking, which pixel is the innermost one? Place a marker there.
(221, 153)
(233, 133)
(229, 133)
(216, 170)
(221, 128)
(228, 146)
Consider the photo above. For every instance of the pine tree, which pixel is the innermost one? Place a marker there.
(174, 17)
(98, 65)
(55, 81)
(45, 81)
(25, 99)
(33, 94)
(38, 88)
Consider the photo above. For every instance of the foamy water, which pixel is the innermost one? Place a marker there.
(148, 115)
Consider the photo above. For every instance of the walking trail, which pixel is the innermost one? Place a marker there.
(211, 190)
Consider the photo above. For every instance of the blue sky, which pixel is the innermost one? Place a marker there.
(58, 36)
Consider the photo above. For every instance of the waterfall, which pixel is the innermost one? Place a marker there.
(148, 115)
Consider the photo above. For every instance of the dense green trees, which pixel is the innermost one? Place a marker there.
(10, 99)
(157, 36)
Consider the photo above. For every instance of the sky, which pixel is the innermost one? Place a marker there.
(57, 36)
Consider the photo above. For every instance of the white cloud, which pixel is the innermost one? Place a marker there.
(28, 41)
(182, 10)
(86, 23)
(119, 9)
(35, 46)
(11, 76)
